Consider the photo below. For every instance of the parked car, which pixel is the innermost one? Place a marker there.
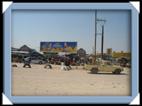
(38, 61)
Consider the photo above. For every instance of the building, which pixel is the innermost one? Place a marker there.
(26, 48)
(24, 51)
(109, 51)
(81, 52)
(121, 54)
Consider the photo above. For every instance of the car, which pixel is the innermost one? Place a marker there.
(37, 61)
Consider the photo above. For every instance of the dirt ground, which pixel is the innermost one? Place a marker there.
(38, 81)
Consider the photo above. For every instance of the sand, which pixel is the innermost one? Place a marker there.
(37, 81)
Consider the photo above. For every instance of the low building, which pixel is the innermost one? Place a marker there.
(121, 54)
(24, 51)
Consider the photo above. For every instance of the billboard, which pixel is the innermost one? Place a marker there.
(70, 47)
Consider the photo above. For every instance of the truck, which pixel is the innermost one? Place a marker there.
(104, 66)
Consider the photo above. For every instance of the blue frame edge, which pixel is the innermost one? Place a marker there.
(71, 99)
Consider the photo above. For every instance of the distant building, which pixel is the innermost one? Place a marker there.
(121, 54)
(109, 51)
(81, 52)
(109, 55)
(21, 52)
(25, 48)
(14, 49)
(17, 54)
(24, 51)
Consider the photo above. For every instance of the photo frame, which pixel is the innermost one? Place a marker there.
(71, 99)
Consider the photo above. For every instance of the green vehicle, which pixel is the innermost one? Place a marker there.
(104, 67)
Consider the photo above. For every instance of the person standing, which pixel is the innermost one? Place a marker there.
(63, 66)
(67, 64)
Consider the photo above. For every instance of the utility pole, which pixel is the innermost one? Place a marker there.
(95, 33)
(102, 41)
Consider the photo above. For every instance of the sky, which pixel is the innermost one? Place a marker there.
(33, 27)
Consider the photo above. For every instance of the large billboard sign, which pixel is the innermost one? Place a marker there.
(70, 47)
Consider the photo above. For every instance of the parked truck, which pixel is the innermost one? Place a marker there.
(104, 67)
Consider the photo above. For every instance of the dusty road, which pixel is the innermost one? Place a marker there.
(39, 81)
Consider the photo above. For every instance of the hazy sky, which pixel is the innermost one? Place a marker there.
(32, 27)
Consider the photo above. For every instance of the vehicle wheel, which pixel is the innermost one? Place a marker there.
(94, 70)
(117, 71)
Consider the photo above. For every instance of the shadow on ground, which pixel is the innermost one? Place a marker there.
(106, 73)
